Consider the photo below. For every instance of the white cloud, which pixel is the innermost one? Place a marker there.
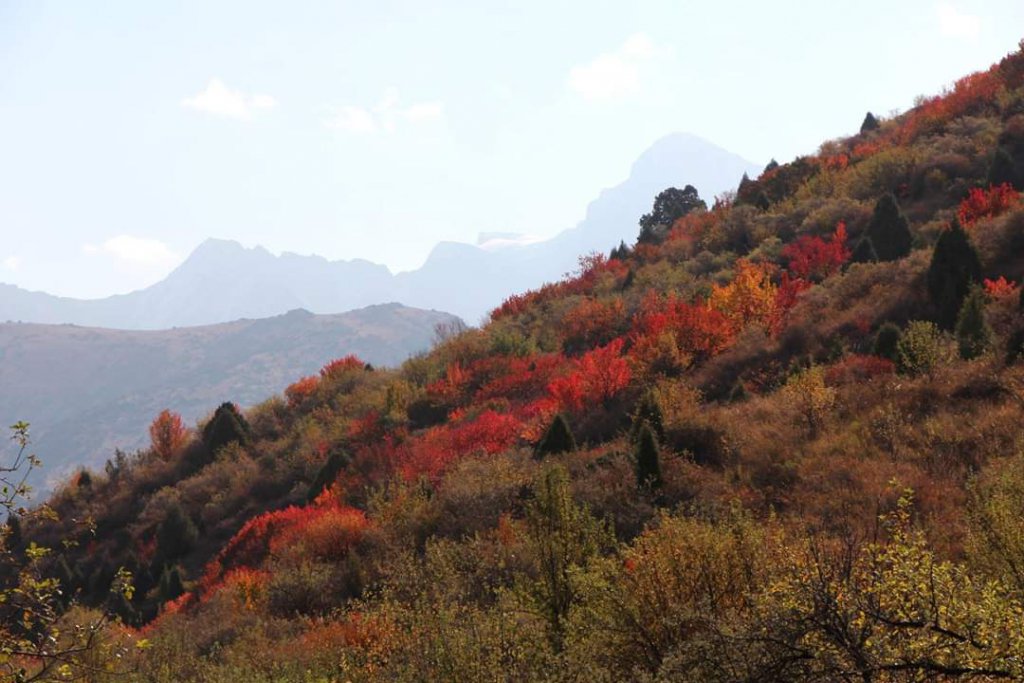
(135, 252)
(351, 119)
(219, 100)
(385, 115)
(614, 75)
(956, 24)
(11, 263)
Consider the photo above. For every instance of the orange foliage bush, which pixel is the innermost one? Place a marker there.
(981, 203)
(167, 435)
(749, 298)
(300, 390)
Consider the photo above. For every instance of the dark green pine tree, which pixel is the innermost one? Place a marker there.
(973, 334)
(738, 393)
(864, 252)
(336, 462)
(1004, 169)
(226, 426)
(870, 123)
(889, 230)
(557, 439)
(647, 455)
(620, 252)
(176, 535)
(171, 585)
(1015, 346)
(955, 267)
(771, 166)
(12, 533)
(648, 411)
(887, 340)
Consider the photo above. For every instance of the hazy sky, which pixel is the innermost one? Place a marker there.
(130, 131)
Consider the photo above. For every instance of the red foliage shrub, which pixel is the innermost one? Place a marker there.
(858, 368)
(430, 452)
(326, 532)
(785, 298)
(699, 330)
(452, 387)
(522, 378)
(299, 391)
(340, 366)
(969, 95)
(815, 259)
(593, 268)
(593, 322)
(836, 162)
(597, 377)
(167, 434)
(981, 203)
(997, 289)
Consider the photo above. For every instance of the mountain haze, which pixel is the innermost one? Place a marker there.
(88, 390)
(222, 281)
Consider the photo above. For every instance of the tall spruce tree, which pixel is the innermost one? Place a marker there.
(557, 439)
(889, 230)
(955, 267)
(864, 252)
(1005, 169)
(973, 334)
(226, 426)
(647, 455)
(176, 535)
(171, 585)
(336, 462)
(870, 123)
(648, 411)
(887, 340)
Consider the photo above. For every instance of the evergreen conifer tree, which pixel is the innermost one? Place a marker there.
(1004, 169)
(336, 462)
(648, 458)
(176, 534)
(973, 334)
(887, 341)
(648, 411)
(955, 267)
(620, 252)
(870, 123)
(889, 230)
(739, 392)
(226, 426)
(864, 252)
(557, 439)
(171, 585)
(1015, 346)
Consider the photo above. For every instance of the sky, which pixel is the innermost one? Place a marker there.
(132, 131)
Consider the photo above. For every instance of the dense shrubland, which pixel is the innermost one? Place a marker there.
(776, 439)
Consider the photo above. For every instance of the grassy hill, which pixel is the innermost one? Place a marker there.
(776, 440)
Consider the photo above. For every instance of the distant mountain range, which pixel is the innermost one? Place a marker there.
(87, 391)
(223, 281)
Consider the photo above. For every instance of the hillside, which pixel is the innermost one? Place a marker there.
(776, 439)
(89, 391)
(252, 283)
